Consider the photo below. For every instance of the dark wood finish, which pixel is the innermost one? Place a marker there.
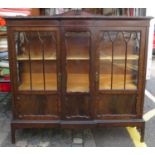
(115, 104)
(35, 12)
(77, 71)
(76, 107)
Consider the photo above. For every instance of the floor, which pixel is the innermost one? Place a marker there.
(106, 137)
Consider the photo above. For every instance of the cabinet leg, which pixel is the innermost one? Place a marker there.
(13, 130)
(142, 132)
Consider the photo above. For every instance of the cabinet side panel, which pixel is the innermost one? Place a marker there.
(11, 54)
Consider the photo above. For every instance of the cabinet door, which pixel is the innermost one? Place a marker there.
(37, 59)
(76, 65)
(76, 73)
(119, 71)
(118, 54)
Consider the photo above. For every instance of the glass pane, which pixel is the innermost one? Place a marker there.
(77, 57)
(77, 76)
(40, 44)
(119, 47)
(50, 75)
(132, 61)
(36, 60)
(23, 76)
(118, 57)
(105, 57)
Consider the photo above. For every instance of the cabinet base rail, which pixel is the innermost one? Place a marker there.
(20, 124)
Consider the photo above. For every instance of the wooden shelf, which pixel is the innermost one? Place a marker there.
(118, 82)
(78, 83)
(129, 57)
(53, 57)
(78, 55)
(78, 58)
(50, 82)
(36, 57)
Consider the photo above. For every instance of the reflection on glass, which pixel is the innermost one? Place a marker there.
(118, 56)
(77, 57)
(77, 76)
(37, 42)
(34, 50)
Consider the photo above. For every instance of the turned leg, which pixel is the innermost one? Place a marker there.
(142, 132)
(13, 130)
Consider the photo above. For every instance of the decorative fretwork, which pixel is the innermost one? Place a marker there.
(119, 56)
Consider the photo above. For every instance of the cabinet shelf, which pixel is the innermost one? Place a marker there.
(78, 58)
(23, 57)
(78, 83)
(129, 57)
(78, 55)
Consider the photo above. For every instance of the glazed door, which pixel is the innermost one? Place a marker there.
(37, 75)
(118, 71)
(76, 73)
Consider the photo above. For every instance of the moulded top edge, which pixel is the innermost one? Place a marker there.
(79, 17)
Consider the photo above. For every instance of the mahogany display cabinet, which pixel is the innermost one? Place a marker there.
(77, 71)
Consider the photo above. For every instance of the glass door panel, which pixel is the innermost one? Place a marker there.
(23, 75)
(36, 60)
(77, 76)
(36, 45)
(105, 75)
(118, 65)
(132, 60)
(50, 76)
(105, 59)
(77, 61)
(118, 60)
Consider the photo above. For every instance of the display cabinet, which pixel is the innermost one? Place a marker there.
(77, 71)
